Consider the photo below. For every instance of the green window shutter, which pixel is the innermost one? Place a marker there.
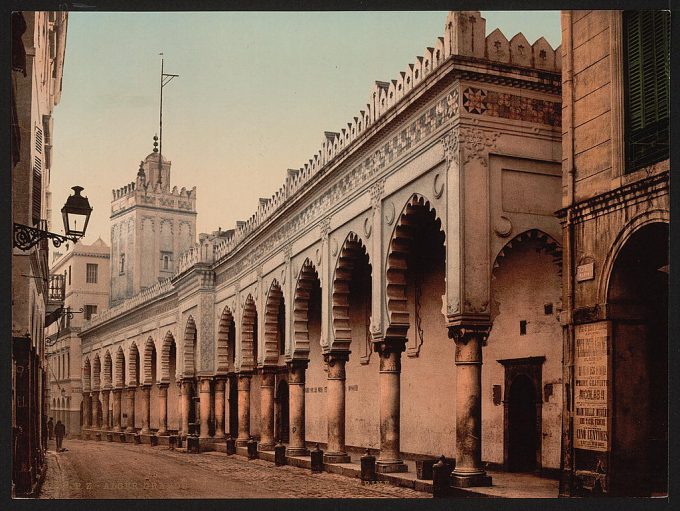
(647, 71)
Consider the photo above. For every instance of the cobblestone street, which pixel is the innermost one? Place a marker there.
(102, 470)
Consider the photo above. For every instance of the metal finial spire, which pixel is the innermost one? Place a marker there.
(155, 143)
(165, 79)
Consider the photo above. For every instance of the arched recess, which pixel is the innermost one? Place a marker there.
(120, 368)
(353, 252)
(189, 367)
(108, 370)
(637, 309)
(272, 331)
(640, 221)
(226, 336)
(168, 351)
(417, 212)
(96, 372)
(149, 361)
(305, 286)
(133, 366)
(87, 374)
(535, 238)
(249, 335)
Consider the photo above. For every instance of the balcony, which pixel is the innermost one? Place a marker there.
(55, 298)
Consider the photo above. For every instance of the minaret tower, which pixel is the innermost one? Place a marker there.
(152, 223)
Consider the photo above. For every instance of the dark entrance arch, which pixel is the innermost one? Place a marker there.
(282, 413)
(637, 304)
(522, 434)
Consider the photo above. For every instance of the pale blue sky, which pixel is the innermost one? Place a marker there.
(255, 93)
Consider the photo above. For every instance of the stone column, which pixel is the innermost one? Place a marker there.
(186, 406)
(146, 409)
(390, 395)
(94, 406)
(243, 409)
(296, 389)
(469, 470)
(219, 407)
(267, 410)
(131, 409)
(204, 403)
(336, 407)
(87, 410)
(116, 410)
(105, 409)
(162, 409)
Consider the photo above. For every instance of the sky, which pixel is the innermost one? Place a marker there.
(255, 93)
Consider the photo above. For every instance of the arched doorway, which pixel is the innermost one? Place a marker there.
(282, 413)
(522, 431)
(638, 306)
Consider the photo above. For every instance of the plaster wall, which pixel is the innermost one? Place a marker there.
(526, 280)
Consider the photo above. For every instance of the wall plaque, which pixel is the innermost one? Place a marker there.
(585, 272)
(591, 383)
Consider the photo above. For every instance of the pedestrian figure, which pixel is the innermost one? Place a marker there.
(50, 428)
(59, 433)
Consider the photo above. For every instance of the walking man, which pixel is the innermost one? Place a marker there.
(50, 429)
(59, 432)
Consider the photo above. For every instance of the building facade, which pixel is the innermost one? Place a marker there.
(615, 219)
(85, 271)
(355, 307)
(38, 45)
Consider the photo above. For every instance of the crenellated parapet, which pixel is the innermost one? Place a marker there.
(148, 194)
(464, 38)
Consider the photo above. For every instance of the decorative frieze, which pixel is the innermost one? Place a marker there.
(511, 106)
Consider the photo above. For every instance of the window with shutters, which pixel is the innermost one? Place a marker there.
(91, 277)
(89, 311)
(646, 72)
(37, 190)
(38, 140)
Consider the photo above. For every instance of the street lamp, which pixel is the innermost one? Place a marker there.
(75, 213)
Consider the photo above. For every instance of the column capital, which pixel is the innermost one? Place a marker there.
(220, 383)
(386, 346)
(163, 385)
(267, 378)
(296, 371)
(463, 333)
(204, 384)
(336, 364)
(244, 381)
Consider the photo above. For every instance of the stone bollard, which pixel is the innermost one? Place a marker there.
(193, 445)
(251, 445)
(317, 460)
(154, 440)
(231, 446)
(279, 454)
(109, 437)
(172, 442)
(368, 467)
(441, 478)
(137, 438)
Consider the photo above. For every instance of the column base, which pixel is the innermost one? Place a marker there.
(336, 457)
(241, 442)
(265, 447)
(297, 451)
(470, 480)
(386, 467)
